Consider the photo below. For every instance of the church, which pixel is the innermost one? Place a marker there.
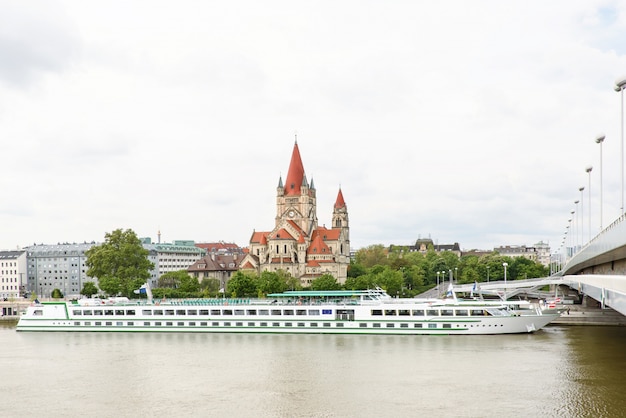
(297, 244)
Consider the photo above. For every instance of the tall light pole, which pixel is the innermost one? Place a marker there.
(588, 170)
(504, 265)
(575, 232)
(487, 274)
(582, 217)
(437, 284)
(600, 140)
(620, 84)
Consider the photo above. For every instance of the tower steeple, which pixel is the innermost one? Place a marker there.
(295, 175)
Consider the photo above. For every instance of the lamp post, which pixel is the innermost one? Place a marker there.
(575, 226)
(588, 170)
(456, 274)
(582, 218)
(487, 274)
(620, 84)
(437, 284)
(600, 140)
(505, 265)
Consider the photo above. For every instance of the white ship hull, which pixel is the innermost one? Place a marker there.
(387, 317)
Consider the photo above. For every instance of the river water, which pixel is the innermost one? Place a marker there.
(556, 372)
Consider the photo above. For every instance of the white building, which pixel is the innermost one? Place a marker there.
(12, 274)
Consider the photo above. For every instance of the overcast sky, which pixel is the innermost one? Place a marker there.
(463, 121)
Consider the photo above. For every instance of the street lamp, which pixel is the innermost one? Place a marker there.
(437, 284)
(620, 84)
(505, 265)
(487, 274)
(588, 170)
(582, 218)
(600, 140)
(456, 274)
(575, 225)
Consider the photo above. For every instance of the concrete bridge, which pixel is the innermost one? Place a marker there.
(596, 270)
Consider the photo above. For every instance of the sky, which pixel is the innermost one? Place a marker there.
(469, 122)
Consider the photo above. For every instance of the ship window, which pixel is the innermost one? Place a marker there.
(263, 324)
(314, 311)
(98, 323)
(301, 324)
(391, 325)
(275, 324)
(158, 311)
(215, 324)
(226, 324)
(239, 324)
(476, 312)
(417, 325)
(146, 312)
(447, 325)
(77, 323)
(108, 323)
(447, 312)
(264, 312)
(404, 312)
(192, 312)
(119, 323)
(376, 325)
(432, 325)
(377, 312)
(192, 324)
(339, 325)
(203, 324)
(108, 312)
(88, 323)
(251, 311)
(215, 312)
(276, 312)
(169, 324)
(77, 312)
(97, 312)
(404, 325)
(180, 312)
(130, 323)
(158, 323)
(130, 312)
(326, 324)
(146, 324)
(313, 324)
(301, 312)
(87, 312)
(363, 325)
(204, 311)
(461, 312)
(288, 312)
(227, 312)
(432, 312)
(238, 311)
(390, 312)
(250, 324)
(418, 312)
(288, 324)
(38, 312)
(119, 312)
(169, 312)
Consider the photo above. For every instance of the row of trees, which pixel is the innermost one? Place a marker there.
(121, 265)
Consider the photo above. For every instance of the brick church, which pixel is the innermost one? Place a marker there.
(297, 244)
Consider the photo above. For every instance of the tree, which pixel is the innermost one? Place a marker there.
(56, 294)
(372, 255)
(271, 282)
(179, 280)
(120, 263)
(325, 282)
(241, 285)
(89, 289)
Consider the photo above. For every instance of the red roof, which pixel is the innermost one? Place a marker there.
(295, 175)
(318, 246)
(340, 203)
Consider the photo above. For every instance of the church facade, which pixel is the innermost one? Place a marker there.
(297, 244)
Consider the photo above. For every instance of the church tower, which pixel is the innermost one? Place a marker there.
(297, 244)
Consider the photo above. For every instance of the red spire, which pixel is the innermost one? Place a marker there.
(340, 203)
(295, 174)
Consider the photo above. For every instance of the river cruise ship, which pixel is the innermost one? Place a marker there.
(293, 312)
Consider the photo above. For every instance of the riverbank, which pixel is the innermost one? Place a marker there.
(585, 315)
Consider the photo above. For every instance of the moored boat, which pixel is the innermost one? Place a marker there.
(292, 312)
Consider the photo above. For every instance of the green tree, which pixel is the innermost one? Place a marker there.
(325, 282)
(372, 255)
(210, 286)
(89, 289)
(179, 280)
(120, 263)
(241, 285)
(271, 282)
(56, 294)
